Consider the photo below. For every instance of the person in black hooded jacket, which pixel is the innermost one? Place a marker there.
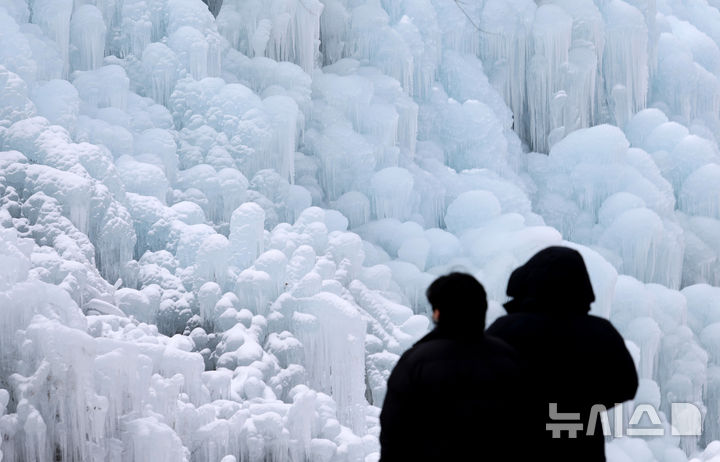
(574, 359)
(455, 394)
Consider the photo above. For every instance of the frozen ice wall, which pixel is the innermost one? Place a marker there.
(218, 219)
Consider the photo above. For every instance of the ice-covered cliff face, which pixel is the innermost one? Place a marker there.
(216, 233)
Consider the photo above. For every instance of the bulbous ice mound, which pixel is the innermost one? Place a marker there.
(470, 210)
(218, 219)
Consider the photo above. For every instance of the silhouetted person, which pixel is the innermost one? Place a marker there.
(574, 359)
(452, 396)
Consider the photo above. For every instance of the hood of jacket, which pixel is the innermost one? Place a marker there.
(554, 281)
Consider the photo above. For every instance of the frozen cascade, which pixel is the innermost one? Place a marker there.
(697, 195)
(333, 339)
(218, 219)
(284, 31)
(551, 35)
(56, 358)
(285, 113)
(392, 188)
(544, 68)
(246, 234)
(136, 27)
(87, 37)
(585, 60)
(54, 19)
(355, 206)
(106, 86)
(306, 29)
(581, 105)
(625, 66)
(163, 68)
(505, 45)
(192, 49)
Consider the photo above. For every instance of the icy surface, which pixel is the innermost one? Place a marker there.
(217, 225)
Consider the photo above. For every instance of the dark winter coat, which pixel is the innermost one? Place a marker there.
(451, 397)
(574, 359)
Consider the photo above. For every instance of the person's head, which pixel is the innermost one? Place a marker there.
(554, 280)
(458, 301)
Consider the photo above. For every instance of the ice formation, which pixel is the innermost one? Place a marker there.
(218, 221)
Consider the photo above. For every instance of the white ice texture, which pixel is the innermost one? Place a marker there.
(216, 233)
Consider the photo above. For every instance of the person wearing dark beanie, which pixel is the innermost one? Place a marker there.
(455, 394)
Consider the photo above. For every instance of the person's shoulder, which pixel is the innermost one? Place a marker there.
(600, 323)
(404, 366)
(427, 342)
(598, 320)
(407, 355)
(504, 358)
(500, 349)
(513, 321)
(431, 345)
(499, 345)
(431, 336)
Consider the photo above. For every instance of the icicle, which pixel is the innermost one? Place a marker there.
(626, 53)
(246, 234)
(281, 157)
(137, 28)
(306, 33)
(552, 33)
(333, 30)
(505, 47)
(162, 67)
(333, 333)
(392, 188)
(87, 34)
(581, 107)
(355, 206)
(192, 49)
(53, 16)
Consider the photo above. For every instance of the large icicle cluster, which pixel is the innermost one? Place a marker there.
(216, 233)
